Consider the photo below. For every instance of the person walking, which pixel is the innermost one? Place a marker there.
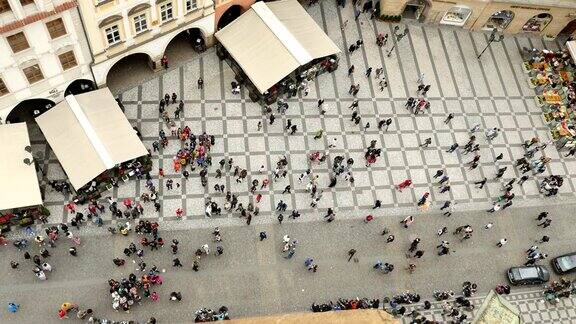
(351, 70)
(368, 72)
(542, 215)
(420, 78)
(263, 236)
(426, 142)
(502, 242)
(351, 253)
(13, 307)
(407, 221)
(481, 183)
(545, 223)
(449, 118)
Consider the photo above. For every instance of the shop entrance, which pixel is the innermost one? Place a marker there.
(79, 86)
(499, 20)
(569, 29)
(537, 23)
(128, 71)
(29, 109)
(415, 9)
(456, 16)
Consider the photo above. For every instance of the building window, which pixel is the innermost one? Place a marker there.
(166, 12)
(191, 5)
(56, 28)
(3, 88)
(140, 24)
(26, 2)
(112, 34)
(33, 73)
(4, 6)
(67, 60)
(18, 42)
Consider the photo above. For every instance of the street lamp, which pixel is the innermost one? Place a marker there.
(398, 38)
(492, 38)
(34, 159)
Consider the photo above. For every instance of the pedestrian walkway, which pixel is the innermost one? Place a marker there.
(532, 307)
(492, 92)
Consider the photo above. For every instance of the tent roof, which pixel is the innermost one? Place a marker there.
(572, 49)
(19, 181)
(90, 134)
(272, 39)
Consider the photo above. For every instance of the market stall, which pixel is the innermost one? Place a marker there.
(551, 75)
(20, 197)
(273, 47)
(94, 142)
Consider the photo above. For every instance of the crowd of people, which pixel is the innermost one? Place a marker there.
(194, 155)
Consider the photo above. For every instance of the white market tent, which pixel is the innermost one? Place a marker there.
(90, 134)
(19, 181)
(572, 49)
(272, 39)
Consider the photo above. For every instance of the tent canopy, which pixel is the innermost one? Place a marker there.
(272, 39)
(90, 134)
(572, 49)
(19, 181)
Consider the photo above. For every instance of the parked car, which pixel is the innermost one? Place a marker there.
(531, 275)
(565, 263)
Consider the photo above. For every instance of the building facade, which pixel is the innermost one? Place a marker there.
(43, 56)
(546, 18)
(119, 28)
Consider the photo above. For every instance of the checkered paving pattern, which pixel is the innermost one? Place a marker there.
(492, 92)
(532, 307)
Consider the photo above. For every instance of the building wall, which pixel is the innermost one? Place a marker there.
(220, 7)
(483, 9)
(43, 51)
(560, 17)
(100, 15)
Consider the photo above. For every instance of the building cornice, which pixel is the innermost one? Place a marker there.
(15, 25)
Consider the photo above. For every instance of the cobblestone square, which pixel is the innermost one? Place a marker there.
(492, 92)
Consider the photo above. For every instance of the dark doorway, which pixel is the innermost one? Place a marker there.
(29, 109)
(80, 86)
(178, 50)
(229, 16)
(129, 72)
(415, 10)
(569, 29)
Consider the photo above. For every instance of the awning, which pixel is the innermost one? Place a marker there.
(19, 181)
(572, 49)
(90, 134)
(272, 39)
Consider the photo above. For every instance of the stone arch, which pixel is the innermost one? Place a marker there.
(416, 9)
(79, 86)
(500, 20)
(229, 15)
(191, 32)
(569, 29)
(139, 56)
(29, 109)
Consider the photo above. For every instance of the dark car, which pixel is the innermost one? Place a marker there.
(565, 263)
(531, 275)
